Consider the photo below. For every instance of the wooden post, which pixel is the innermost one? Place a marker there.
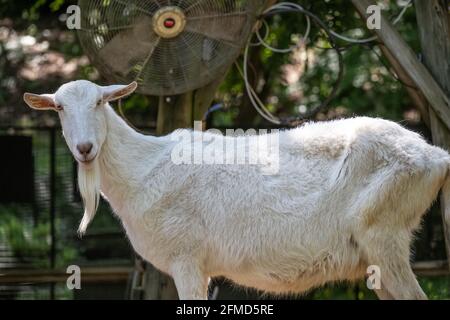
(174, 112)
(433, 20)
(407, 59)
(416, 95)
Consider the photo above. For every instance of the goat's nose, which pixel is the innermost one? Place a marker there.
(84, 148)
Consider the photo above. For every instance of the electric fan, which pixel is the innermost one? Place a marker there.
(167, 46)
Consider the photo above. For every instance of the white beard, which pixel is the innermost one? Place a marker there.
(89, 186)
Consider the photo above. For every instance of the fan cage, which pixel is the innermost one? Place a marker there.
(119, 38)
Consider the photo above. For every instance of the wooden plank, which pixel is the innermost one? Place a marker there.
(431, 268)
(434, 29)
(158, 286)
(88, 274)
(204, 97)
(441, 137)
(416, 96)
(174, 112)
(433, 21)
(406, 57)
(121, 274)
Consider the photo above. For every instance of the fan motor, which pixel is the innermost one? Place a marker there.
(168, 22)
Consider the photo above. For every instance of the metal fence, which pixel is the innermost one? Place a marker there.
(39, 214)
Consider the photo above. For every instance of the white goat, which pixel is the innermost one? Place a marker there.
(348, 194)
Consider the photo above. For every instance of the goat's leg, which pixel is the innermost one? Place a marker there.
(399, 282)
(397, 278)
(402, 283)
(191, 283)
(383, 294)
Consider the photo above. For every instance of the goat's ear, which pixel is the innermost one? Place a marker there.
(40, 101)
(115, 92)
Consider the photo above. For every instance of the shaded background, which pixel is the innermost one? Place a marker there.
(39, 204)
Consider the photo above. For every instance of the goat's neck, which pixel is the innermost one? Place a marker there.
(125, 158)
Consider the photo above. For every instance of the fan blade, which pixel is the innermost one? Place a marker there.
(162, 69)
(191, 46)
(129, 47)
(228, 27)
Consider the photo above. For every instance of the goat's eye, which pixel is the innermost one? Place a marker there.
(99, 103)
(59, 108)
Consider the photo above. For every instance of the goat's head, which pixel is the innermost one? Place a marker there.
(81, 108)
(80, 105)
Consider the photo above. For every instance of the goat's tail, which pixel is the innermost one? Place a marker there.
(446, 204)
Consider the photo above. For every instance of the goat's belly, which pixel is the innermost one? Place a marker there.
(275, 283)
(302, 281)
(293, 270)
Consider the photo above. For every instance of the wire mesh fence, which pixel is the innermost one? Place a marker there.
(38, 227)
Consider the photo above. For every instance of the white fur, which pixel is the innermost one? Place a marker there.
(349, 194)
(89, 186)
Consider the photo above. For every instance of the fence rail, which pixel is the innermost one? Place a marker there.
(88, 274)
(115, 273)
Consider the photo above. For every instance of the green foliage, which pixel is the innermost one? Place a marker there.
(25, 11)
(25, 241)
(368, 87)
(436, 288)
(31, 242)
(357, 291)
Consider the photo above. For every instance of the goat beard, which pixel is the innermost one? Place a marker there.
(89, 186)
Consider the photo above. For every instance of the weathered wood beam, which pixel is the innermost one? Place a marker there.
(417, 96)
(121, 274)
(431, 268)
(203, 98)
(433, 22)
(433, 19)
(174, 112)
(88, 275)
(423, 80)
